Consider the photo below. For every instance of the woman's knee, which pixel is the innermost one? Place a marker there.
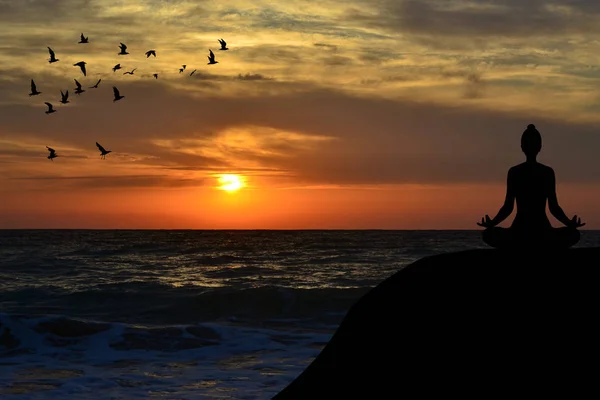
(491, 236)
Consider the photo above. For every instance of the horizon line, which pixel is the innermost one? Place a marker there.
(249, 229)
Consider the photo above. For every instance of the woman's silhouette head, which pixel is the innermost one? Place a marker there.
(531, 141)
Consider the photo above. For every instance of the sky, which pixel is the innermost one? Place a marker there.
(354, 114)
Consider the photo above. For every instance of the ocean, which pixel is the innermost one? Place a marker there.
(118, 314)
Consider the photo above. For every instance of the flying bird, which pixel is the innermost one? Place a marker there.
(117, 94)
(182, 68)
(52, 153)
(96, 85)
(78, 89)
(155, 76)
(50, 108)
(34, 91)
(192, 73)
(129, 72)
(81, 64)
(123, 50)
(151, 53)
(223, 44)
(116, 67)
(211, 58)
(53, 58)
(64, 97)
(103, 151)
(83, 39)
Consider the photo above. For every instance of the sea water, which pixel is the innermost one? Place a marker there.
(143, 314)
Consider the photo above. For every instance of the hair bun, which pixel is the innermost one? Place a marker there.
(531, 126)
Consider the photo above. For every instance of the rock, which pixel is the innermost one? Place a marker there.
(476, 323)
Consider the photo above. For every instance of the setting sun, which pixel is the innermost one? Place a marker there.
(230, 183)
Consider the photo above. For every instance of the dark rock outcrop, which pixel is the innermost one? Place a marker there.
(477, 324)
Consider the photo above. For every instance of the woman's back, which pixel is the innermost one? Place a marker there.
(531, 184)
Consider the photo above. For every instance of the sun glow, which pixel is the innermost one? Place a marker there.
(231, 183)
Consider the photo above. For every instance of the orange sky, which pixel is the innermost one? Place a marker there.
(388, 114)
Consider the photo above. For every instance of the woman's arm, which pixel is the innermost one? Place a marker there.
(509, 201)
(553, 206)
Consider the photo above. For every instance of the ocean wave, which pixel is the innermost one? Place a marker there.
(61, 357)
(65, 337)
(156, 303)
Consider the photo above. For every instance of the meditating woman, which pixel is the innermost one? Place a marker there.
(531, 184)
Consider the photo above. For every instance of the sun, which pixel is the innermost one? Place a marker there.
(230, 182)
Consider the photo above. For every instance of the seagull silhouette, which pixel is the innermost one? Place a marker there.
(78, 89)
(83, 39)
(103, 151)
(117, 94)
(223, 44)
(50, 108)
(53, 58)
(116, 67)
(34, 91)
(192, 73)
(96, 85)
(155, 76)
(211, 58)
(123, 50)
(64, 97)
(52, 153)
(183, 68)
(81, 64)
(151, 53)
(129, 72)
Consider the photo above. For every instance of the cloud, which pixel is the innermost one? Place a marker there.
(116, 181)
(322, 93)
(252, 77)
(464, 18)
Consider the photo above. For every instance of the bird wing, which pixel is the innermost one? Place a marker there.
(116, 91)
(51, 52)
(62, 95)
(82, 37)
(100, 147)
(123, 46)
(66, 94)
(212, 55)
(223, 43)
(33, 88)
(133, 70)
(83, 69)
(97, 83)
(77, 83)
(50, 149)
(49, 105)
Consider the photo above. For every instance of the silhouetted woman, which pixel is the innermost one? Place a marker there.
(531, 184)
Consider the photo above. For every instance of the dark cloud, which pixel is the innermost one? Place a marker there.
(117, 181)
(253, 77)
(508, 18)
(338, 61)
(475, 86)
(331, 47)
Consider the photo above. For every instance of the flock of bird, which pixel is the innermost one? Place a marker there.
(64, 97)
